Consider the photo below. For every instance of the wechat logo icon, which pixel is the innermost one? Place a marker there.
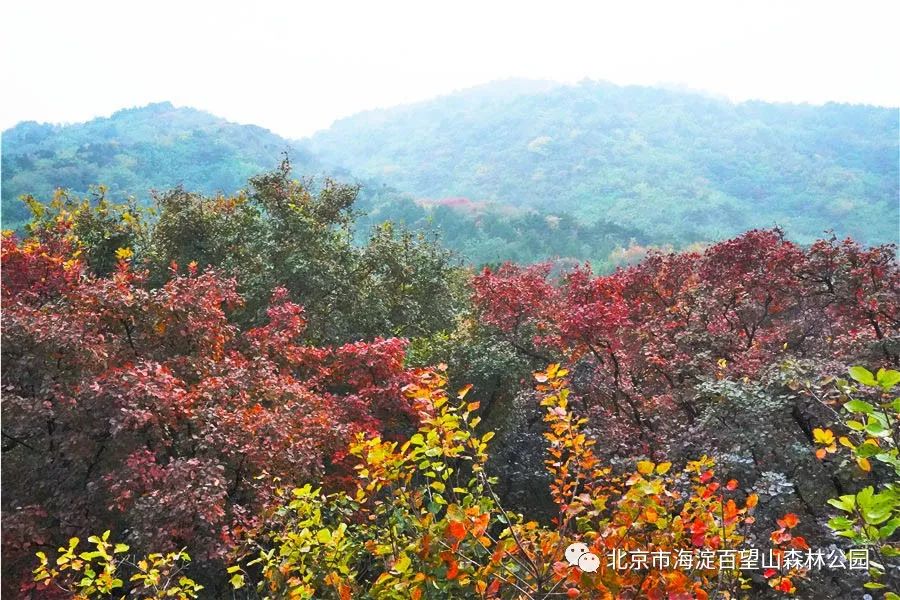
(579, 555)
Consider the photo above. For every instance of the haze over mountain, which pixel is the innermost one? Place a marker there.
(517, 169)
(136, 150)
(681, 166)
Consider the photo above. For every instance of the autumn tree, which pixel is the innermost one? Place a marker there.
(148, 411)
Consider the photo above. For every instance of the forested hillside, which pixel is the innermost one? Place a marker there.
(134, 151)
(253, 383)
(233, 399)
(516, 170)
(137, 151)
(682, 167)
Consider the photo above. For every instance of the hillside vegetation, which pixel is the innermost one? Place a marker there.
(156, 147)
(682, 167)
(516, 170)
(233, 399)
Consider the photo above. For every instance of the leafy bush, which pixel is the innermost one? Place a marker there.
(424, 521)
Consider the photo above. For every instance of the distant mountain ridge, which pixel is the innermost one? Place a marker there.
(157, 146)
(554, 170)
(160, 146)
(682, 166)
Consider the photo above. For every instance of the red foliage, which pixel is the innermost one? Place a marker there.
(148, 412)
(652, 330)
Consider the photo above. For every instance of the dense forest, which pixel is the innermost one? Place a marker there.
(138, 151)
(518, 170)
(237, 397)
(682, 167)
(429, 351)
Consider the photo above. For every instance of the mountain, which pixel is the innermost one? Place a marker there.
(516, 170)
(160, 146)
(681, 166)
(135, 151)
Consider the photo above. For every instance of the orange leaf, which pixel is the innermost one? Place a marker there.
(730, 511)
(456, 530)
(789, 520)
(786, 586)
(453, 570)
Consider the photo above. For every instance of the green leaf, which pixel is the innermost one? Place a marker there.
(865, 496)
(845, 503)
(862, 375)
(867, 450)
(888, 378)
(860, 406)
(855, 425)
(875, 428)
(840, 523)
(888, 529)
(323, 536)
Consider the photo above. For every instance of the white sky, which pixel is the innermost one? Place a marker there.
(294, 67)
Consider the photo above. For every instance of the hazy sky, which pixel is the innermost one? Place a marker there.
(294, 67)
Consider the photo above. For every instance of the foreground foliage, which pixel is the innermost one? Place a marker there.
(425, 523)
(147, 410)
(242, 416)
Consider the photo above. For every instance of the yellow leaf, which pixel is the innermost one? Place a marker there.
(864, 464)
(645, 467)
(462, 393)
(124, 253)
(823, 436)
(663, 467)
(402, 563)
